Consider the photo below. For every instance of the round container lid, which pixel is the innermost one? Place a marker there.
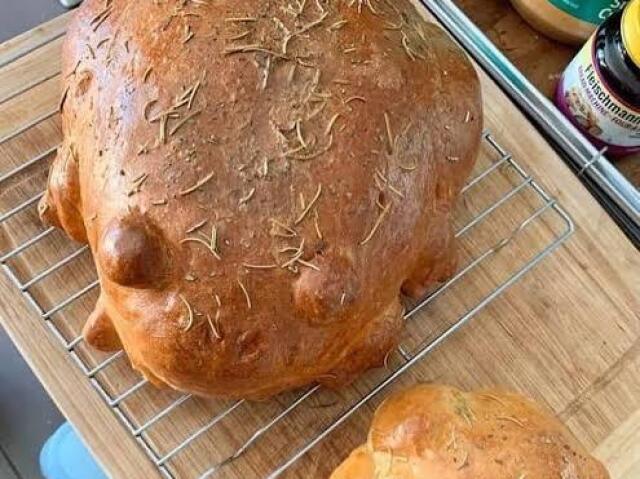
(631, 30)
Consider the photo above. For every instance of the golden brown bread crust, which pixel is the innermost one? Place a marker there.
(206, 142)
(439, 432)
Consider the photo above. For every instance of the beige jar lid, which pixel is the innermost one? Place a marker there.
(553, 22)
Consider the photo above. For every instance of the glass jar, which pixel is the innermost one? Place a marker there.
(600, 90)
(568, 21)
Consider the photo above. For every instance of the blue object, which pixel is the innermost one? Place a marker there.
(64, 456)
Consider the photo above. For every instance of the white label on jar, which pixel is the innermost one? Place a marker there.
(585, 98)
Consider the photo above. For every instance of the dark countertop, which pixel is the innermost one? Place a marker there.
(17, 16)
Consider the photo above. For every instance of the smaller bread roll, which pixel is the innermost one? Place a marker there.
(439, 432)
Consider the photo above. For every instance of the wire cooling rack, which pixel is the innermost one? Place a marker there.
(502, 209)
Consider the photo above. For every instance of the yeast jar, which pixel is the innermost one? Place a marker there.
(568, 21)
(600, 90)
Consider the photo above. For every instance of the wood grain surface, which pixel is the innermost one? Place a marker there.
(567, 333)
(541, 59)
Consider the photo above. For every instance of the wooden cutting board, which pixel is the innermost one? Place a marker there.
(567, 333)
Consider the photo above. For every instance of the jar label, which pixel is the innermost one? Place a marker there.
(591, 11)
(584, 97)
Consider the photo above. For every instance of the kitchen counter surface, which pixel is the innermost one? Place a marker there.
(17, 17)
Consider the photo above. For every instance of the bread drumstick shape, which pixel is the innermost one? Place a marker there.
(132, 253)
(99, 331)
(440, 432)
(61, 204)
(437, 263)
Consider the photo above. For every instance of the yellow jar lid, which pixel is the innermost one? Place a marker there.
(631, 30)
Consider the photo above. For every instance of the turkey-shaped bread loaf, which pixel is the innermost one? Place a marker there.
(258, 181)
